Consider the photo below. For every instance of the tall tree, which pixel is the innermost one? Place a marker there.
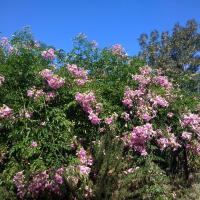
(179, 50)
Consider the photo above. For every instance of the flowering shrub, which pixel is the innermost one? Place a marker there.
(129, 125)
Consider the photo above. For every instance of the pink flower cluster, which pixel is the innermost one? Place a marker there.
(24, 113)
(85, 162)
(4, 41)
(90, 106)
(146, 77)
(2, 79)
(37, 94)
(186, 135)
(141, 79)
(190, 120)
(79, 73)
(146, 70)
(19, 181)
(191, 123)
(40, 183)
(138, 138)
(49, 54)
(5, 112)
(125, 116)
(54, 81)
(171, 142)
(160, 101)
(34, 144)
(129, 96)
(84, 157)
(109, 120)
(118, 50)
(145, 102)
(163, 81)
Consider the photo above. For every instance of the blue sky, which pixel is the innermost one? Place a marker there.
(106, 21)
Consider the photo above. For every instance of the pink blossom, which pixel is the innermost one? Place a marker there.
(158, 100)
(46, 73)
(79, 73)
(146, 117)
(143, 80)
(163, 143)
(146, 70)
(84, 170)
(19, 181)
(163, 81)
(4, 41)
(56, 82)
(49, 54)
(108, 120)
(34, 144)
(81, 82)
(36, 94)
(138, 138)
(24, 113)
(84, 158)
(5, 112)
(125, 116)
(127, 102)
(2, 79)
(190, 120)
(186, 135)
(172, 141)
(58, 179)
(50, 95)
(170, 114)
(94, 118)
(118, 50)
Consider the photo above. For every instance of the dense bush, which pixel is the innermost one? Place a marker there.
(93, 124)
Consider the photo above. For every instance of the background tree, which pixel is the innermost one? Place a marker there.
(178, 50)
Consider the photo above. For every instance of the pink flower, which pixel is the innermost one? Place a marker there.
(81, 82)
(79, 73)
(186, 135)
(20, 184)
(170, 114)
(163, 81)
(56, 82)
(4, 41)
(5, 112)
(125, 116)
(138, 138)
(25, 113)
(34, 144)
(160, 101)
(143, 80)
(118, 50)
(84, 170)
(127, 102)
(146, 117)
(46, 73)
(58, 179)
(84, 158)
(50, 95)
(2, 79)
(94, 118)
(109, 120)
(190, 120)
(49, 54)
(146, 70)
(163, 143)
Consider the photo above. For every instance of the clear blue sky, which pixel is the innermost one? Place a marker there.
(106, 21)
